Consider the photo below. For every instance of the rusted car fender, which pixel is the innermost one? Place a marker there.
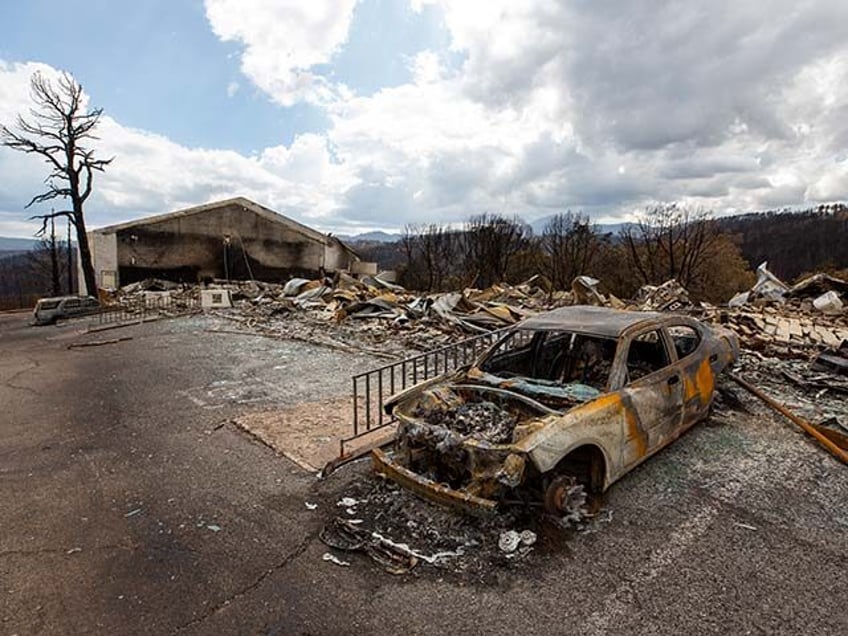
(598, 423)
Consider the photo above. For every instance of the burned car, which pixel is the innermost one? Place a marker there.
(48, 311)
(565, 404)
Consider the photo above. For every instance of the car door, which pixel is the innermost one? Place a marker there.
(698, 375)
(652, 394)
(71, 307)
(90, 305)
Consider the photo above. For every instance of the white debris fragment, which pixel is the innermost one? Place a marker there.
(310, 506)
(214, 527)
(428, 558)
(347, 502)
(744, 525)
(332, 558)
(829, 303)
(528, 537)
(509, 541)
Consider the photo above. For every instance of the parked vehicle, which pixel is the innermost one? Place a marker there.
(568, 401)
(48, 310)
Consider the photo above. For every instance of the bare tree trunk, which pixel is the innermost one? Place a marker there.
(70, 262)
(59, 127)
(85, 254)
(56, 287)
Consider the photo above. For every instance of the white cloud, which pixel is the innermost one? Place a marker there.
(232, 89)
(151, 174)
(606, 108)
(284, 41)
(533, 107)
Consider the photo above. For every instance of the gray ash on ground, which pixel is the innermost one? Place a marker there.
(447, 542)
(479, 420)
(818, 397)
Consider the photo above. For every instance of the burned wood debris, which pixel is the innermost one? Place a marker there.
(465, 444)
(364, 313)
(772, 317)
(781, 330)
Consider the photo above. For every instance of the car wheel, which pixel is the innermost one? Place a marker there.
(566, 497)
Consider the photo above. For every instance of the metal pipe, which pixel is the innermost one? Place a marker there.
(806, 426)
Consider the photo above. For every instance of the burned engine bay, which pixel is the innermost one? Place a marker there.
(461, 433)
(461, 436)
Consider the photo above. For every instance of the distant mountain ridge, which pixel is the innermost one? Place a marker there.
(9, 244)
(538, 227)
(369, 237)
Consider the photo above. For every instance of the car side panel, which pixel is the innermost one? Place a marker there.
(601, 422)
(656, 401)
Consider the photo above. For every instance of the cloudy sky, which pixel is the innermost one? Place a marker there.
(357, 115)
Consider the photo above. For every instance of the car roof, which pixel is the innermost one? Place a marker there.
(588, 319)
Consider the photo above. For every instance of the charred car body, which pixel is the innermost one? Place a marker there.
(568, 400)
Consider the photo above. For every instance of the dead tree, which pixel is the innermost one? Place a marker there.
(42, 268)
(671, 241)
(59, 127)
(55, 286)
(70, 255)
(490, 243)
(571, 244)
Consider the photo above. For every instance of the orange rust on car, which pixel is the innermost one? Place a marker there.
(603, 435)
(700, 384)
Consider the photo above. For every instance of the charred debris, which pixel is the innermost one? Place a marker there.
(793, 344)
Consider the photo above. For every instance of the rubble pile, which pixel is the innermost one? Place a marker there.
(797, 321)
(367, 313)
(378, 316)
(787, 331)
(801, 386)
(167, 297)
(670, 296)
(772, 317)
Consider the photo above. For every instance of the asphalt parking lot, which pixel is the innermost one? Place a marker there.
(131, 504)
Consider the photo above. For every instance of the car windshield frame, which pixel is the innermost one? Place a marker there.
(535, 342)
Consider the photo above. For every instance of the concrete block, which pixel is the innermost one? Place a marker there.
(363, 267)
(215, 298)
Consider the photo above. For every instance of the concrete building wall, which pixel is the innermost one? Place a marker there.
(336, 257)
(234, 239)
(231, 241)
(104, 256)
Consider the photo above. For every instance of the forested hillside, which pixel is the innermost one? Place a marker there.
(793, 243)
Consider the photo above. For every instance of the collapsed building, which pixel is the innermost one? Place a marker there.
(234, 239)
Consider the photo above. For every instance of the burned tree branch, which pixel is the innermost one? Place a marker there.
(46, 218)
(59, 123)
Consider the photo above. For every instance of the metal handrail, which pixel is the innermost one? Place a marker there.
(375, 386)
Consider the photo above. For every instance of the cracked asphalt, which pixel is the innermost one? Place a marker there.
(129, 504)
